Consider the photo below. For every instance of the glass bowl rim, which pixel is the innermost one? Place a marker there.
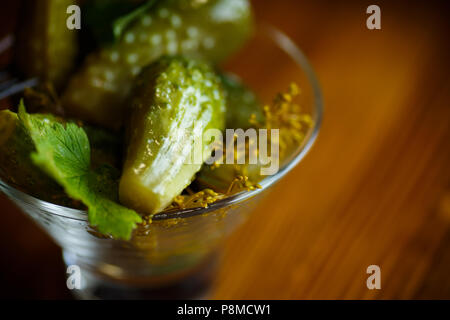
(290, 48)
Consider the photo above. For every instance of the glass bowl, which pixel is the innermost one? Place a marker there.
(175, 255)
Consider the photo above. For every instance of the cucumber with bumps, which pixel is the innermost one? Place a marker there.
(46, 47)
(174, 102)
(209, 30)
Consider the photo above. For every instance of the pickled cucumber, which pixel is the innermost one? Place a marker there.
(243, 111)
(175, 100)
(220, 179)
(46, 47)
(243, 107)
(209, 30)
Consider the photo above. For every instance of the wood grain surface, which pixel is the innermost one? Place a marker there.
(375, 189)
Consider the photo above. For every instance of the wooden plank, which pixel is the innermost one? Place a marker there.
(365, 194)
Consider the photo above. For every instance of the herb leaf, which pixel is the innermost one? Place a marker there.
(63, 152)
(105, 20)
(120, 24)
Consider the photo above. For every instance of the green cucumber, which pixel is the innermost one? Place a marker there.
(242, 103)
(46, 47)
(241, 106)
(174, 102)
(208, 30)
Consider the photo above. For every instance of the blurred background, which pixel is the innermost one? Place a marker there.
(375, 189)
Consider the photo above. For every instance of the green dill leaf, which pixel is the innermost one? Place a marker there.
(63, 152)
(98, 18)
(121, 24)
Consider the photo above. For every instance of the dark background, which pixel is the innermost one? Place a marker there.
(375, 189)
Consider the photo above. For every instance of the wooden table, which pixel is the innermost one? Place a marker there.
(375, 189)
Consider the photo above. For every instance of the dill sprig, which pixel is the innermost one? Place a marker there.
(283, 114)
(287, 116)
